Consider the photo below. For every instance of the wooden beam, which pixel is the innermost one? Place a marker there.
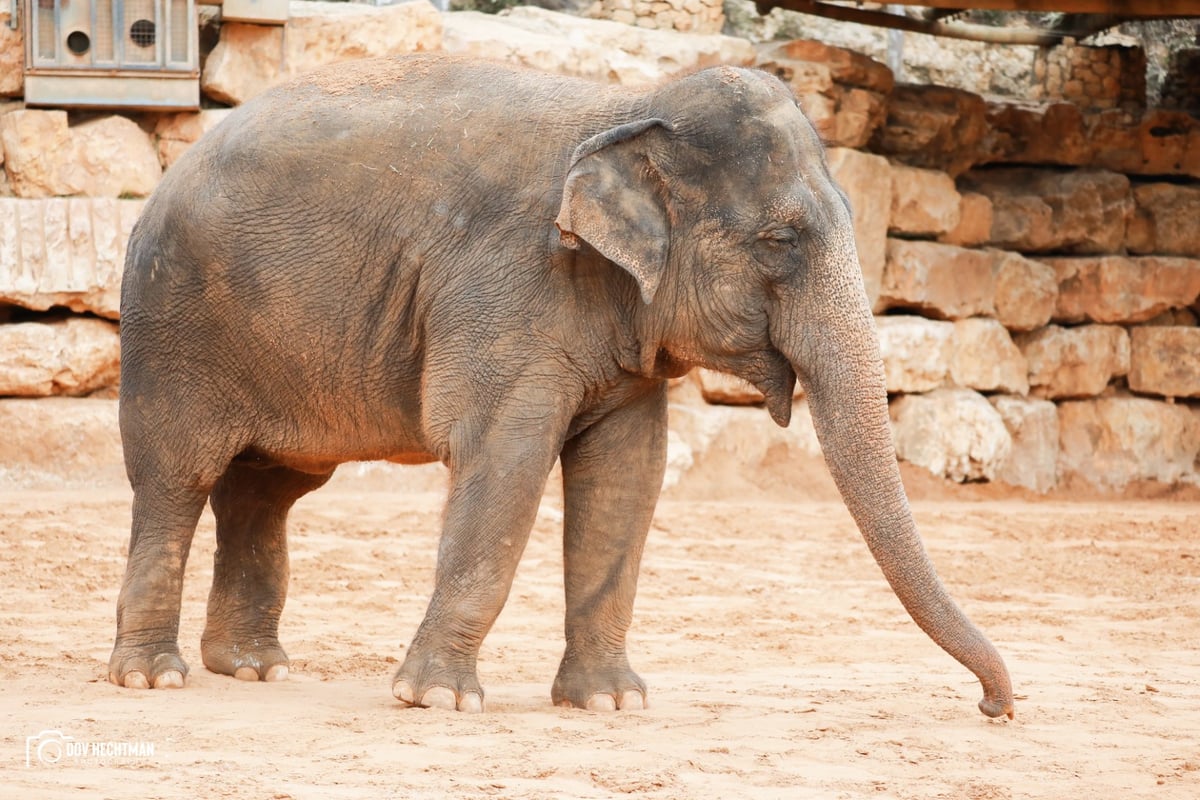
(1124, 8)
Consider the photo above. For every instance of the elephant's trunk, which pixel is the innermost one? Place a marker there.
(835, 351)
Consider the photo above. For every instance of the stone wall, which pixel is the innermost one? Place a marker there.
(1035, 266)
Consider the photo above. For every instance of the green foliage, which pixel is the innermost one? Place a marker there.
(486, 6)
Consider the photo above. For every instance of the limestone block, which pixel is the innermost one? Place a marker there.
(866, 180)
(251, 58)
(955, 433)
(64, 252)
(1033, 426)
(106, 157)
(924, 202)
(1114, 441)
(1165, 360)
(1074, 362)
(1037, 210)
(74, 356)
(60, 441)
(1026, 291)
(933, 127)
(845, 66)
(12, 56)
(916, 352)
(590, 48)
(974, 221)
(1036, 133)
(1156, 143)
(1166, 220)
(1120, 289)
(177, 132)
(939, 280)
(984, 358)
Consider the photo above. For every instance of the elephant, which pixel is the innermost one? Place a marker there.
(433, 258)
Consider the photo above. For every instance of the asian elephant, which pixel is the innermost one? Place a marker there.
(433, 258)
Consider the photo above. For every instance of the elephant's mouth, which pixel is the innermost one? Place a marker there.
(772, 374)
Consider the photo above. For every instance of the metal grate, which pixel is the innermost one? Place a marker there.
(102, 32)
(180, 30)
(140, 32)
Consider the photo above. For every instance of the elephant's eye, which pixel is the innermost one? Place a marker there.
(781, 236)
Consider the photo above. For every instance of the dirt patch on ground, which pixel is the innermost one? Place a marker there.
(779, 663)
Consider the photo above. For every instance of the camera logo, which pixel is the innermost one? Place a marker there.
(48, 747)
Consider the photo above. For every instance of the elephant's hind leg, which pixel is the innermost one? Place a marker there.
(250, 569)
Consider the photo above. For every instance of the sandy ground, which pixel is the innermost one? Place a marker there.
(779, 663)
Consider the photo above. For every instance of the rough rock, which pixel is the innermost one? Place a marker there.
(955, 433)
(64, 252)
(939, 280)
(1074, 362)
(974, 221)
(1038, 210)
(1165, 360)
(1026, 291)
(729, 390)
(933, 127)
(1033, 426)
(106, 157)
(1166, 220)
(72, 356)
(984, 358)
(924, 202)
(1114, 441)
(589, 48)
(845, 66)
(251, 58)
(916, 352)
(1120, 289)
(12, 57)
(1156, 143)
(60, 441)
(866, 180)
(1036, 133)
(177, 132)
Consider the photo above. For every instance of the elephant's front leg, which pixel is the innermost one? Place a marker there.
(496, 485)
(612, 474)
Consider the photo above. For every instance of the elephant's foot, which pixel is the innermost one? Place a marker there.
(433, 683)
(598, 684)
(157, 666)
(259, 658)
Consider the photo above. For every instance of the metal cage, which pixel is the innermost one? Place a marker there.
(112, 53)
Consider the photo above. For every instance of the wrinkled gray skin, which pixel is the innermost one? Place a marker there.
(436, 259)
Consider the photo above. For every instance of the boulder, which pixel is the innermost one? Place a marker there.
(1038, 210)
(847, 67)
(939, 280)
(1157, 142)
(1166, 220)
(974, 221)
(1120, 289)
(1074, 362)
(916, 352)
(1036, 133)
(866, 180)
(106, 157)
(1114, 441)
(64, 252)
(57, 442)
(933, 127)
(1165, 360)
(12, 56)
(251, 58)
(177, 132)
(983, 357)
(728, 390)
(955, 433)
(924, 202)
(589, 48)
(1026, 291)
(72, 356)
(1033, 425)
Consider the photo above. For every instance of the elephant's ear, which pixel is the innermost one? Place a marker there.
(612, 199)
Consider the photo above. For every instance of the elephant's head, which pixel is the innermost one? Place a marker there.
(719, 203)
